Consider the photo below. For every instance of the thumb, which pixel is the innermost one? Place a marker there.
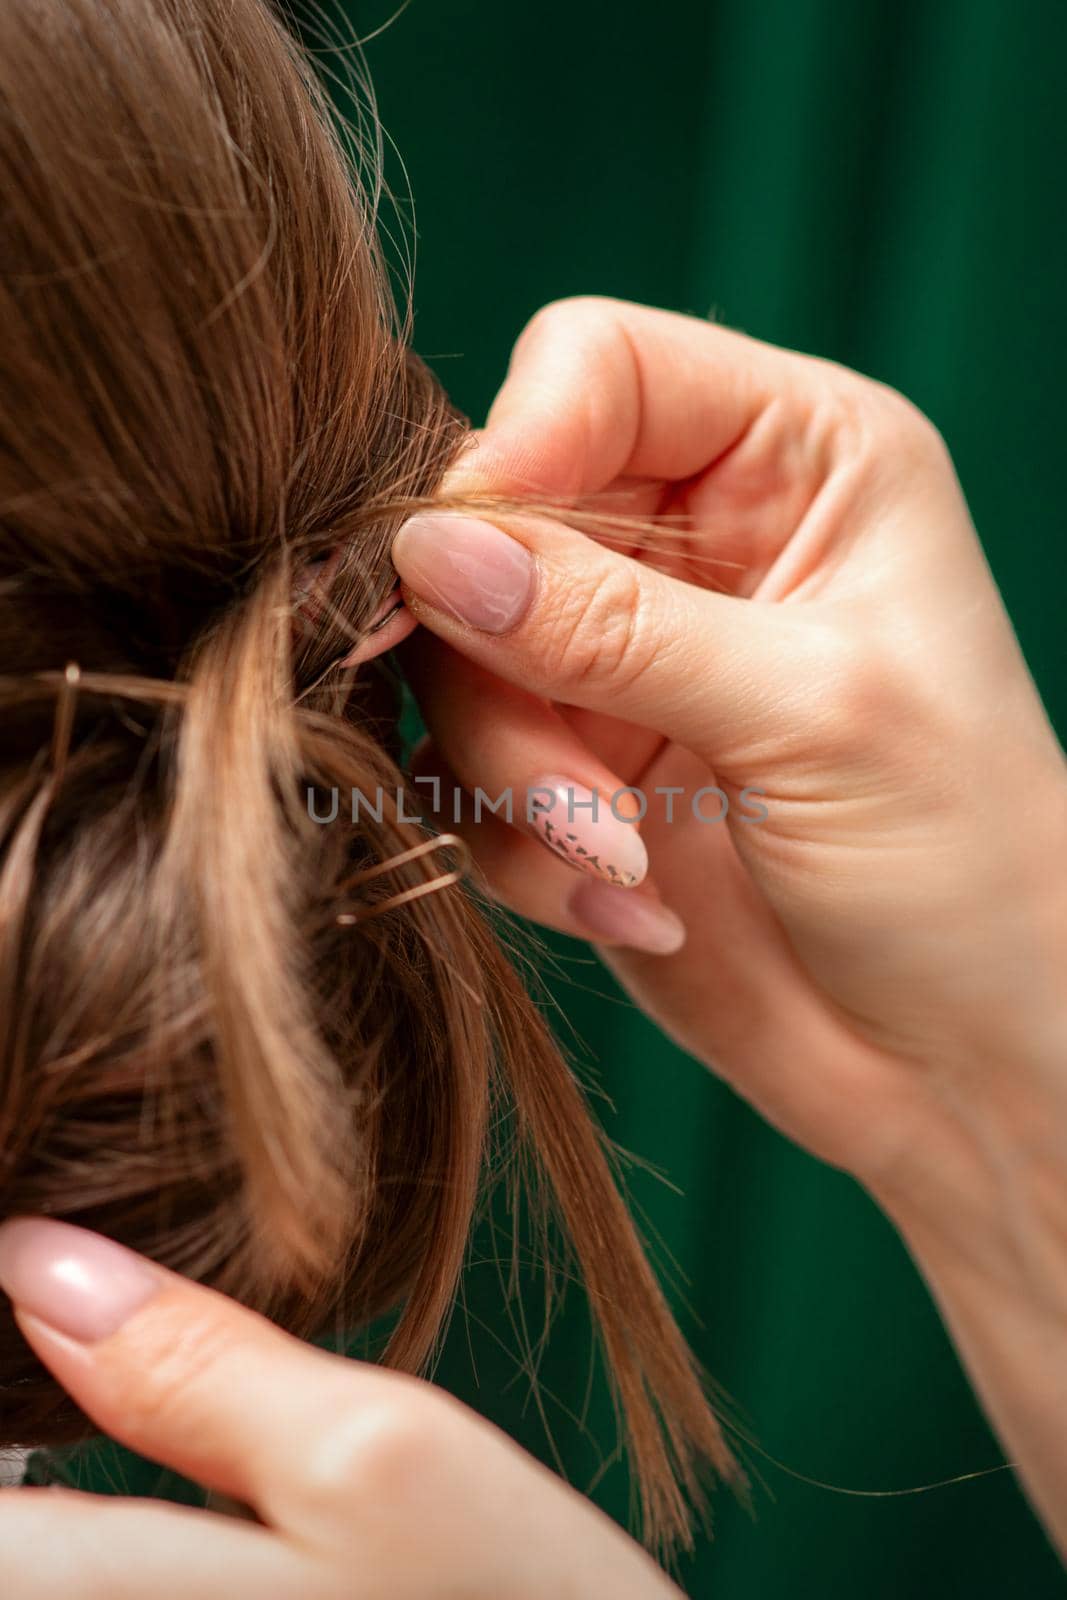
(181, 1374)
(553, 611)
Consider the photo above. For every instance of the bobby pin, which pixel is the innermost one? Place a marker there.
(442, 841)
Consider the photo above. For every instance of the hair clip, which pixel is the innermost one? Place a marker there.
(441, 841)
(63, 724)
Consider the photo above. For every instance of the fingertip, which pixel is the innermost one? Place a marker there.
(76, 1283)
(638, 921)
(394, 623)
(592, 830)
(465, 567)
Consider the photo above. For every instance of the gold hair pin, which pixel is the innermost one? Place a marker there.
(441, 841)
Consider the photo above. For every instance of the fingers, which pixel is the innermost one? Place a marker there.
(185, 1376)
(519, 760)
(560, 616)
(519, 876)
(91, 1547)
(368, 1483)
(600, 389)
(519, 785)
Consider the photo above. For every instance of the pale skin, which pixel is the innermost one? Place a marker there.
(879, 967)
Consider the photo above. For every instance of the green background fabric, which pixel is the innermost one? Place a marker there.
(881, 183)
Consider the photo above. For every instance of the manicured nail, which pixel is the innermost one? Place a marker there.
(79, 1283)
(465, 567)
(584, 830)
(626, 918)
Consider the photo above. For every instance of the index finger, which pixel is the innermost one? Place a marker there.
(601, 389)
(188, 1378)
(82, 1546)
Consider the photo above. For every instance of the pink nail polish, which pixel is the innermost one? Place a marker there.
(466, 567)
(79, 1283)
(584, 830)
(628, 919)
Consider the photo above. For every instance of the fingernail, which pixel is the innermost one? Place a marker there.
(626, 918)
(465, 567)
(79, 1283)
(583, 829)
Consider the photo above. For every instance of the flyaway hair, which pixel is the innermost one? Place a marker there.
(204, 387)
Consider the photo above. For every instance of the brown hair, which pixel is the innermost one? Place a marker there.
(204, 387)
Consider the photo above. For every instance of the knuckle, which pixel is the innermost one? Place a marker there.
(874, 710)
(600, 635)
(387, 1450)
(874, 420)
(559, 319)
(171, 1369)
(567, 308)
(898, 425)
(873, 698)
(910, 426)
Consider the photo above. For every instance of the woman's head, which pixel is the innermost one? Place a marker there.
(204, 389)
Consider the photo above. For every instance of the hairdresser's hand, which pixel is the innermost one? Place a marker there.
(365, 1483)
(881, 964)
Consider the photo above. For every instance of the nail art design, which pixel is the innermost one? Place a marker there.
(581, 827)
